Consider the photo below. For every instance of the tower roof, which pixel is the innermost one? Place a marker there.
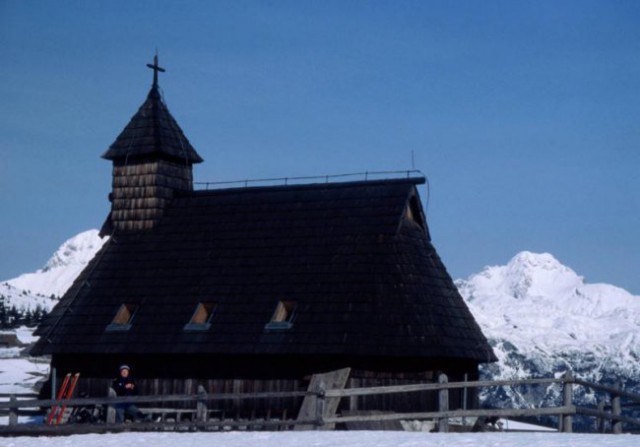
(153, 131)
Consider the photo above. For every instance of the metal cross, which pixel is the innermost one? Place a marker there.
(156, 68)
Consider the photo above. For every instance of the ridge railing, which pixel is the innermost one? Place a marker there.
(302, 180)
(202, 417)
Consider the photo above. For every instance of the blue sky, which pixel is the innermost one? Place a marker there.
(524, 116)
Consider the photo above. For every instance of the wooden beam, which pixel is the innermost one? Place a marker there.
(111, 409)
(443, 404)
(318, 386)
(567, 392)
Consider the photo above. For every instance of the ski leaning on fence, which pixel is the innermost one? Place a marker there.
(65, 393)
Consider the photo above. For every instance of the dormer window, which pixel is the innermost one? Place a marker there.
(201, 318)
(413, 212)
(123, 318)
(283, 316)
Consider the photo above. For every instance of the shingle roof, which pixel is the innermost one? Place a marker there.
(366, 279)
(152, 131)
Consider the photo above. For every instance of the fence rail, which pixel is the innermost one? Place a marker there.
(203, 417)
(284, 181)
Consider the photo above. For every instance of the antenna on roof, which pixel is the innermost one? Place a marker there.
(413, 161)
(156, 68)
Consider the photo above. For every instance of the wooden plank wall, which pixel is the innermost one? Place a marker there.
(407, 402)
(141, 191)
(237, 408)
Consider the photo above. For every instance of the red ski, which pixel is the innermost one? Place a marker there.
(65, 393)
(61, 392)
(69, 394)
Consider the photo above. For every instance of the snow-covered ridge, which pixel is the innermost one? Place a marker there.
(63, 267)
(23, 299)
(541, 281)
(537, 301)
(42, 288)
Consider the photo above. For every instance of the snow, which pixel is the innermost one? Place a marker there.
(509, 425)
(18, 375)
(25, 335)
(24, 299)
(329, 439)
(536, 309)
(63, 267)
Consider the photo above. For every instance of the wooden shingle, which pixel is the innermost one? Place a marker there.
(365, 279)
(152, 131)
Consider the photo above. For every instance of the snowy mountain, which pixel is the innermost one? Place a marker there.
(42, 288)
(542, 319)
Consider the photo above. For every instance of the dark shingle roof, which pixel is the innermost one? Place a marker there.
(366, 280)
(153, 131)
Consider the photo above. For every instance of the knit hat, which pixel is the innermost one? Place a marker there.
(124, 367)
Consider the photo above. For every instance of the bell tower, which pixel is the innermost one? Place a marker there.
(152, 160)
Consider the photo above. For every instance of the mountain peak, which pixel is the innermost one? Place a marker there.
(78, 250)
(533, 260)
(63, 267)
(539, 274)
(525, 276)
(538, 309)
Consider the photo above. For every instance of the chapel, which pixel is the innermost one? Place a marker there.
(258, 288)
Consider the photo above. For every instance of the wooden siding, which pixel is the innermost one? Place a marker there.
(141, 192)
(401, 403)
(165, 375)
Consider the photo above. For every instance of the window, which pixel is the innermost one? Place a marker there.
(201, 318)
(283, 315)
(124, 317)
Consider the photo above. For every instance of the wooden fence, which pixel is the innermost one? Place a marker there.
(323, 404)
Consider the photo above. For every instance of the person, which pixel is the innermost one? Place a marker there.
(124, 385)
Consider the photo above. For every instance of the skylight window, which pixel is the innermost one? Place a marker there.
(124, 317)
(201, 318)
(283, 316)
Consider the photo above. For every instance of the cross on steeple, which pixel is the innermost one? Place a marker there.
(156, 68)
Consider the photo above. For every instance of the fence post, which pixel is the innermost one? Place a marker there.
(616, 410)
(320, 405)
(201, 409)
(13, 410)
(567, 391)
(111, 409)
(443, 404)
(54, 383)
(464, 399)
(600, 422)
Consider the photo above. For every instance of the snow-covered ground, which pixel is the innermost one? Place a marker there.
(20, 374)
(329, 439)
